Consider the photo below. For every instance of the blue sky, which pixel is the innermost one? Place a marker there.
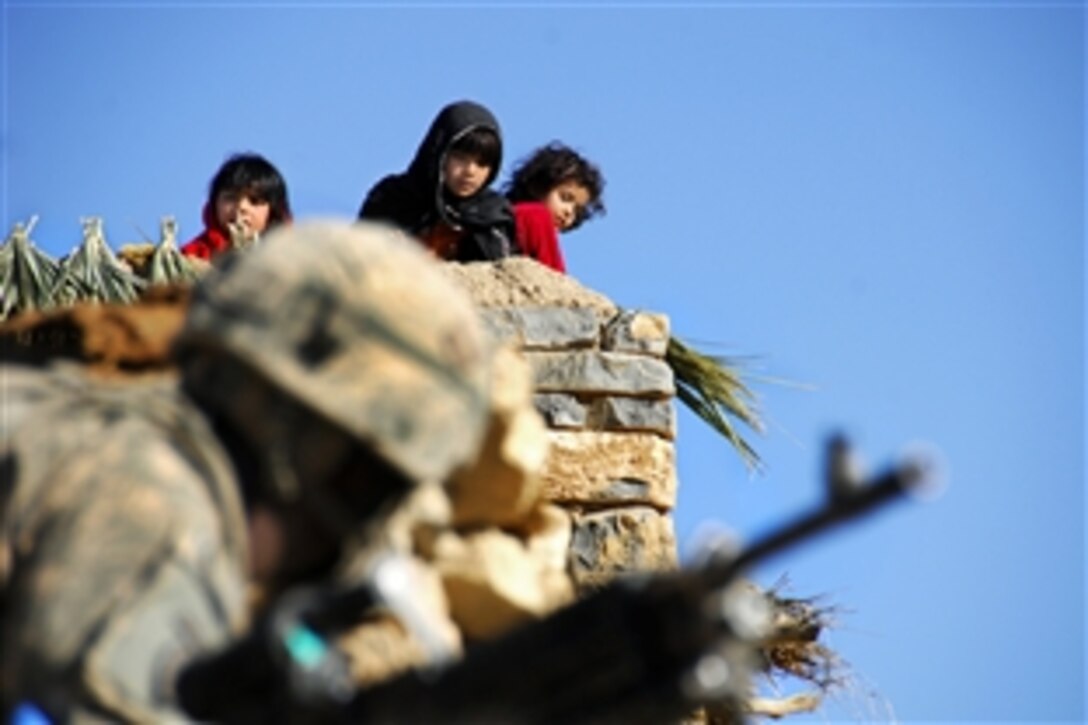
(883, 201)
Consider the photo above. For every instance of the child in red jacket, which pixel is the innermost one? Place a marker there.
(554, 190)
(247, 192)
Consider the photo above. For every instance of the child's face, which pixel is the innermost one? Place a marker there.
(567, 202)
(463, 174)
(242, 208)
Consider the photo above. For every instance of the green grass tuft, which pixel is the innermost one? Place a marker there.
(712, 387)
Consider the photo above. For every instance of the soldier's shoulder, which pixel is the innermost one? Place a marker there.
(57, 391)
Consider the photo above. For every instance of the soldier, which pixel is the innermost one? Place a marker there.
(322, 376)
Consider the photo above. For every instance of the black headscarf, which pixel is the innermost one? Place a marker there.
(417, 199)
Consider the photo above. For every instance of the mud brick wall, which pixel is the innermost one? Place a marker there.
(606, 394)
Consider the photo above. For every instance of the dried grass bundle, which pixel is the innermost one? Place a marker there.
(93, 273)
(28, 276)
(168, 266)
(794, 648)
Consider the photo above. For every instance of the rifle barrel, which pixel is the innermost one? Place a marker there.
(838, 510)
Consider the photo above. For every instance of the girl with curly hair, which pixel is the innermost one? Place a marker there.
(554, 190)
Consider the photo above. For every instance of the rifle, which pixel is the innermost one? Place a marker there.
(645, 649)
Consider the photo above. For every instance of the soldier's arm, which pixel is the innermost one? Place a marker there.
(124, 578)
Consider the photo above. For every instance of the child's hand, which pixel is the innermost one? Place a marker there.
(241, 235)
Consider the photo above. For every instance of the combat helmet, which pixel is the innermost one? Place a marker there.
(356, 322)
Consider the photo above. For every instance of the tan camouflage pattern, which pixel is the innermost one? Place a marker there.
(122, 536)
(124, 540)
(358, 323)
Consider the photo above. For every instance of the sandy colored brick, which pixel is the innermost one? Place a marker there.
(525, 282)
(601, 469)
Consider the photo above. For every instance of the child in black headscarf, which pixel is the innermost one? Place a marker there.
(443, 198)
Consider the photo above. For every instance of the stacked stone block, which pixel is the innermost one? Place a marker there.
(605, 392)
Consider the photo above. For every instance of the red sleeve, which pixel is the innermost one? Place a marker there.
(197, 247)
(213, 240)
(537, 236)
(209, 244)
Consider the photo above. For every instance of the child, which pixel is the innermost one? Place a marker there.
(443, 199)
(247, 192)
(554, 190)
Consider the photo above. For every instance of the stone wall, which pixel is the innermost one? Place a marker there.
(606, 393)
(557, 504)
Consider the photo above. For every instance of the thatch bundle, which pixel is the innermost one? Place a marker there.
(28, 276)
(31, 280)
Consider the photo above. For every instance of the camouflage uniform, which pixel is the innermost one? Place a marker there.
(122, 529)
(126, 543)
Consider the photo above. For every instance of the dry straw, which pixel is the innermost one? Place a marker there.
(30, 279)
(28, 276)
